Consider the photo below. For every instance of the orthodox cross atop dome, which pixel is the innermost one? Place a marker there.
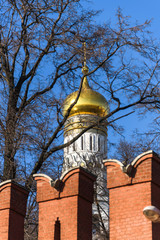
(89, 102)
(85, 69)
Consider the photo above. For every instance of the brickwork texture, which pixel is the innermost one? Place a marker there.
(65, 206)
(13, 200)
(129, 194)
(71, 206)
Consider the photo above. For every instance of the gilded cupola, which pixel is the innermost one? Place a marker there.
(89, 101)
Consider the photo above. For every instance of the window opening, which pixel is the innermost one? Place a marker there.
(67, 149)
(67, 161)
(82, 143)
(74, 146)
(94, 143)
(91, 143)
(99, 144)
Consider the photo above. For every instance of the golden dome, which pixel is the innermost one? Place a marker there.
(89, 101)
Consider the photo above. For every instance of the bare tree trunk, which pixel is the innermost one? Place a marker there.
(9, 161)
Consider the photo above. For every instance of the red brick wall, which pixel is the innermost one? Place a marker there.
(72, 206)
(13, 200)
(128, 195)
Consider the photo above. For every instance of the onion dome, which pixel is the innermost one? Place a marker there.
(89, 101)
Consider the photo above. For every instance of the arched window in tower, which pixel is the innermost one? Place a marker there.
(90, 143)
(67, 162)
(74, 146)
(82, 143)
(94, 143)
(99, 144)
(67, 149)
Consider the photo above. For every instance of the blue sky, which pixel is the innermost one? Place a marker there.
(139, 11)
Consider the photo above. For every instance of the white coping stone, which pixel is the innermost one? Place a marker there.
(132, 163)
(42, 175)
(45, 176)
(67, 171)
(113, 161)
(12, 181)
(5, 182)
(139, 156)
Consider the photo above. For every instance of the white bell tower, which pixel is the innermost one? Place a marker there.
(90, 148)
